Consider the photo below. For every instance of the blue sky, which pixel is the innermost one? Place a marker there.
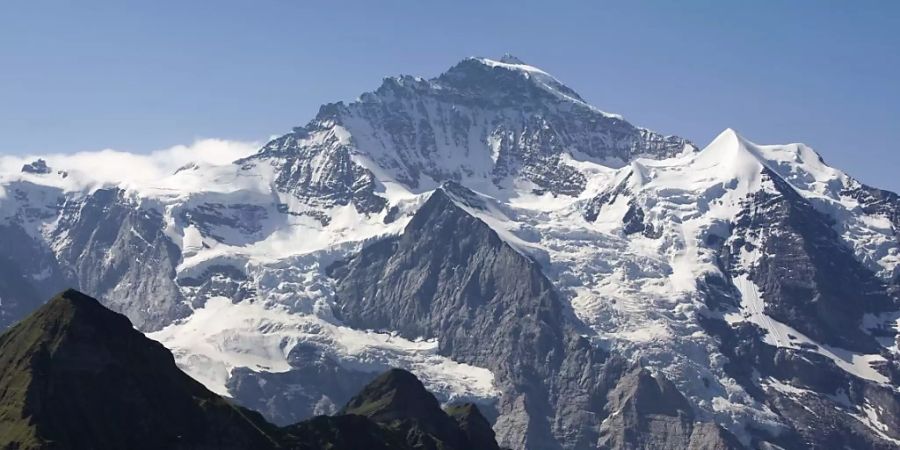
(143, 75)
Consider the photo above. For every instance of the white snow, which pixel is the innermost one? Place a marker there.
(782, 335)
(88, 170)
(637, 294)
(871, 418)
(545, 81)
(223, 335)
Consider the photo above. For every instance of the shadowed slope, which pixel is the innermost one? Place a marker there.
(77, 375)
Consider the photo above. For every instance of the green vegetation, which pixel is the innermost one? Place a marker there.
(76, 375)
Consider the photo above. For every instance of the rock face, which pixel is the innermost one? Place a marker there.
(21, 292)
(315, 166)
(513, 247)
(476, 428)
(805, 273)
(491, 121)
(804, 277)
(449, 276)
(117, 250)
(648, 412)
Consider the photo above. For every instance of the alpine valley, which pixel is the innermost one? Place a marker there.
(586, 282)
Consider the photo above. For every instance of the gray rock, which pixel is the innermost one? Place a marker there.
(119, 252)
(38, 166)
(810, 280)
(316, 385)
(807, 276)
(647, 412)
(450, 277)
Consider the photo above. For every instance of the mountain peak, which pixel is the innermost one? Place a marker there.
(730, 136)
(74, 300)
(508, 75)
(394, 394)
(476, 428)
(733, 150)
(107, 386)
(77, 373)
(72, 316)
(398, 397)
(508, 58)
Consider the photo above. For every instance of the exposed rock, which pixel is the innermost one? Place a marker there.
(476, 428)
(119, 251)
(647, 412)
(39, 167)
(450, 276)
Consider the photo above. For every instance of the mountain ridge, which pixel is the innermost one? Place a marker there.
(61, 386)
(79, 374)
(655, 251)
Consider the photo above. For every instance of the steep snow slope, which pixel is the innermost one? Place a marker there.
(737, 271)
(632, 271)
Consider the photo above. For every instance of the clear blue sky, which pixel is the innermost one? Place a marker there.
(140, 75)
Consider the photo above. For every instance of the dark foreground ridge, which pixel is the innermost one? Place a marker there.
(75, 375)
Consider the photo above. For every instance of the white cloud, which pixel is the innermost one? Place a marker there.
(115, 167)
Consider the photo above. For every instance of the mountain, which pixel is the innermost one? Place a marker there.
(450, 272)
(400, 402)
(77, 375)
(512, 246)
(395, 411)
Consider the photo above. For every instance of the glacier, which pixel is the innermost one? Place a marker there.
(665, 254)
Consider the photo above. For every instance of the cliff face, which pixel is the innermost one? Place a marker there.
(515, 248)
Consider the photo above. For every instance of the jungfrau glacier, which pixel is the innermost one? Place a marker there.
(590, 283)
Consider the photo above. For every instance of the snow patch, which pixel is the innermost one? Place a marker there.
(223, 335)
(781, 335)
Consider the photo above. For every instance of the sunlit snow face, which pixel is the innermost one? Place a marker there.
(636, 290)
(114, 167)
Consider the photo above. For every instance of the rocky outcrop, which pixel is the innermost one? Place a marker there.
(315, 165)
(807, 276)
(647, 412)
(450, 277)
(119, 251)
(476, 428)
(37, 167)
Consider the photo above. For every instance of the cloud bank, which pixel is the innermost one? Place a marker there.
(114, 166)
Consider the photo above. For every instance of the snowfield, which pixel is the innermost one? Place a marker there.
(627, 252)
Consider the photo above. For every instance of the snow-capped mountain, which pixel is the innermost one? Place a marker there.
(588, 282)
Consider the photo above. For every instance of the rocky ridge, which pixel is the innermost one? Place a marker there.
(762, 283)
